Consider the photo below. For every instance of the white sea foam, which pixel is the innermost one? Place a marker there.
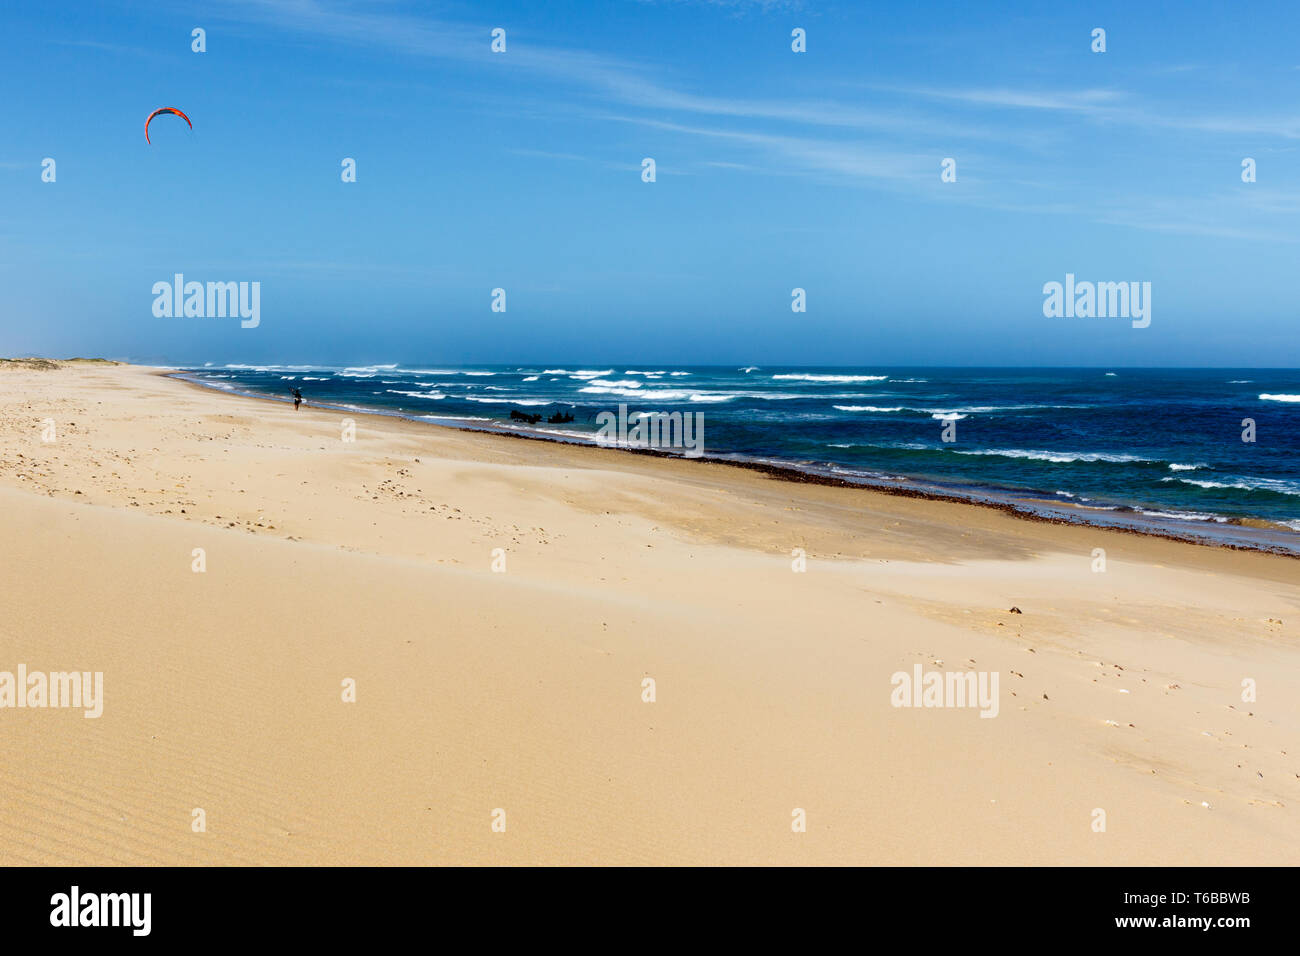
(1279, 398)
(1057, 457)
(660, 394)
(578, 373)
(831, 378)
(432, 396)
(560, 432)
(665, 396)
(859, 473)
(505, 401)
(976, 409)
(617, 383)
(1276, 485)
(268, 368)
(1186, 516)
(962, 410)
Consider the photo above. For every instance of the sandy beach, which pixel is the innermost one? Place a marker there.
(499, 604)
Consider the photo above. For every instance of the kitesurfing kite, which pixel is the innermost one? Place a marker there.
(165, 109)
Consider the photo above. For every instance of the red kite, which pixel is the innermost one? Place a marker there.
(165, 109)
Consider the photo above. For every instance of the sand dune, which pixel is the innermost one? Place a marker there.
(522, 690)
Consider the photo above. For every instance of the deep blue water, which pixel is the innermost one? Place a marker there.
(1150, 442)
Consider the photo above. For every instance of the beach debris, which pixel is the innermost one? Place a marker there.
(1015, 610)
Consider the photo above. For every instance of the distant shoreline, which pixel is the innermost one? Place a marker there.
(1028, 507)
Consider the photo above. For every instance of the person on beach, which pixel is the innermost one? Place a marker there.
(297, 398)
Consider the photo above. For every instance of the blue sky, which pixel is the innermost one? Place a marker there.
(775, 170)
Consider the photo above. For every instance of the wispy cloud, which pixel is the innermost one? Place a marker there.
(116, 48)
(1112, 105)
(620, 81)
(856, 160)
(1074, 101)
(893, 144)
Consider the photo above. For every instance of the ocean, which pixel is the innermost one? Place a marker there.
(1157, 450)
